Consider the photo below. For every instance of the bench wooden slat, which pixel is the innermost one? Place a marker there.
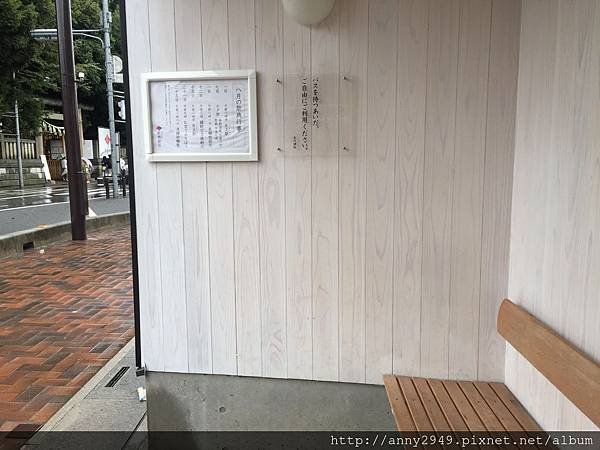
(464, 407)
(515, 407)
(425, 404)
(434, 411)
(449, 409)
(399, 407)
(575, 374)
(484, 412)
(505, 417)
(417, 410)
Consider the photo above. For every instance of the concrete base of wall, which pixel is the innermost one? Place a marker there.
(184, 402)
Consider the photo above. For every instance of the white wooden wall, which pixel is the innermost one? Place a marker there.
(384, 246)
(555, 245)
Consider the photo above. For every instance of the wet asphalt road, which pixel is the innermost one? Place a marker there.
(58, 193)
(35, 207)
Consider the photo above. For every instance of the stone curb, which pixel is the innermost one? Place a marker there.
(54, 423)
(12, 244)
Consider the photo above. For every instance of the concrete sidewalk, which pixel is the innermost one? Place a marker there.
(108, 402)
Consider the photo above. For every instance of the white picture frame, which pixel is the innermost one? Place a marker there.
(201, 155)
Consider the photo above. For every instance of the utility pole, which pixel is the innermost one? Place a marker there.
(108, 61)
(77, 186)
(18, 139)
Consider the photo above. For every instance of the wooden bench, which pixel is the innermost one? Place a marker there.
(424, 404)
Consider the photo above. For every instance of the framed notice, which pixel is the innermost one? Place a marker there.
(200, 116)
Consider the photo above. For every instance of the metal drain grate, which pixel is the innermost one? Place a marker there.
(115, 379)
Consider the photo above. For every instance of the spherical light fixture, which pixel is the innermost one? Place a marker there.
(308, 12)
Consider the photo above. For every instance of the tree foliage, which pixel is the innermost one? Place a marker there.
(20, 58)
(36, 65)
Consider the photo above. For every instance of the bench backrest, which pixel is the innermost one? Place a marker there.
(573, 373)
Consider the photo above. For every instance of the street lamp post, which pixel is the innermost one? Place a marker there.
(77, 187)
(18, 142)
(51, 34)
(106, 21)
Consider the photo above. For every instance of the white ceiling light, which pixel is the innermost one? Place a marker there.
(308, 12)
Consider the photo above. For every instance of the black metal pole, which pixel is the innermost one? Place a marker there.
(133, 219)
(77, 187)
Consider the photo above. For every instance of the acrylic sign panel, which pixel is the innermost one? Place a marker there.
(201, 116)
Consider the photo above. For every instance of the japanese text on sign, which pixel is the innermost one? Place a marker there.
(208, 116)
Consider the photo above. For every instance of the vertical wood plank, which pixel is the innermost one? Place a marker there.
(574, 138)
(467, 204)
(591, 342)
(497, 190)
(245, 208)
(170, 207)
(298, 188)
(571, 58)
(529, 224)
(354, 25)
(188, 29)
(195, 224)
(383, 24)
(564, 156)
(325, 148)
(161, 17)
(410, 151)
(188, 34)
(438, 179)
(215, 49)
(172, 267)
(534, 109)
(269, 64)
(544, 298)
(139, 58)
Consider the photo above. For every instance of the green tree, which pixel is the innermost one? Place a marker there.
(20, 55)
(36, 63)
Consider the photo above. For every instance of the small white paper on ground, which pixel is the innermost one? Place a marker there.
(141, 394)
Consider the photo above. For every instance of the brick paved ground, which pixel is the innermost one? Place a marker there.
(63, 315)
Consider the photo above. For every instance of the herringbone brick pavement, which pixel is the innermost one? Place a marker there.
(63, 314)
